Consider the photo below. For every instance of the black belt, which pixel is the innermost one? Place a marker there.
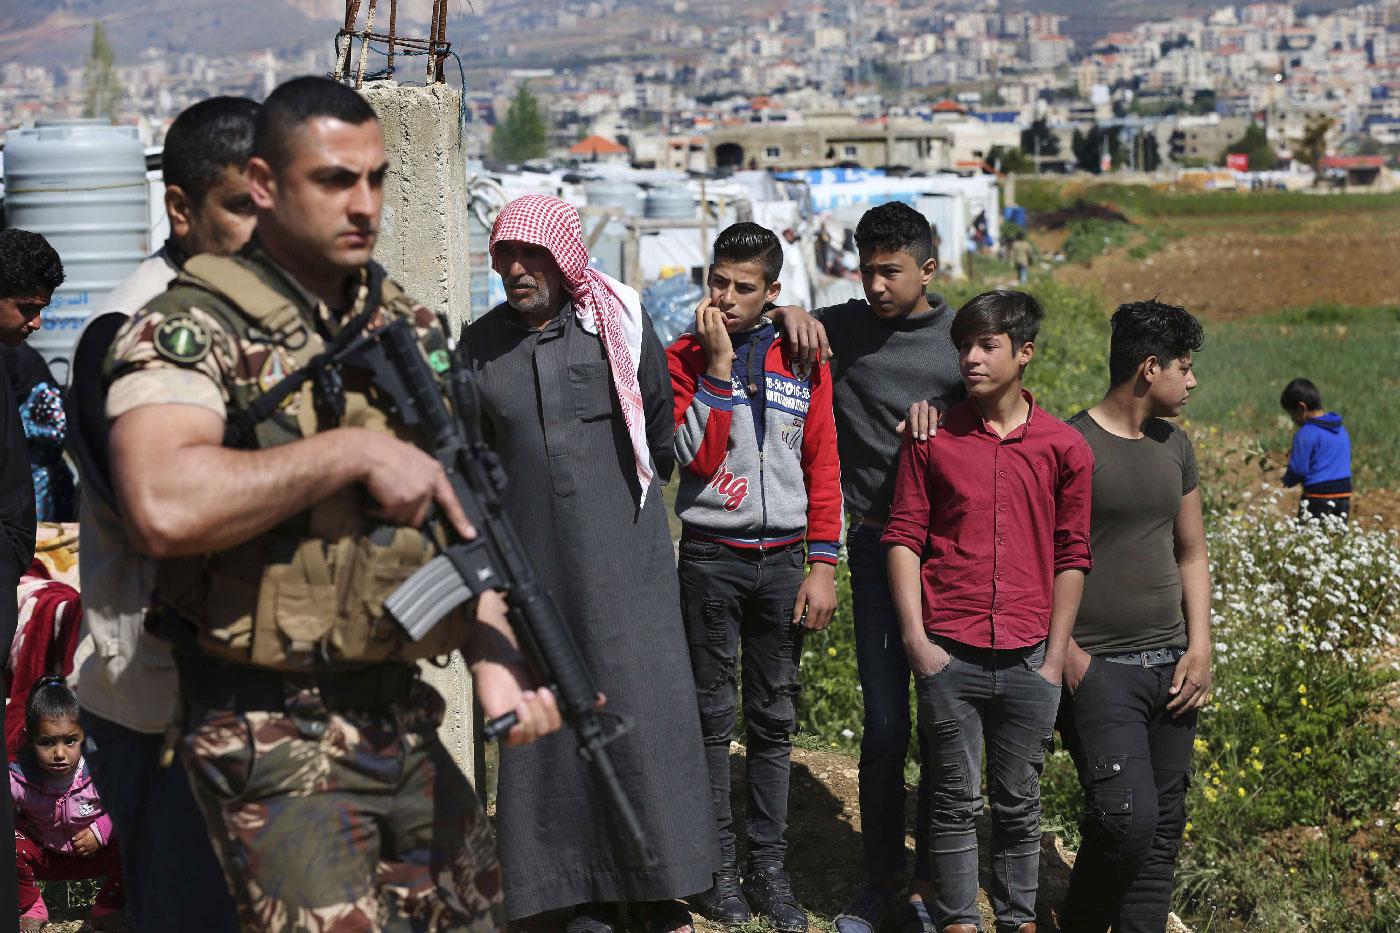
(209, 684)
(1153, 657)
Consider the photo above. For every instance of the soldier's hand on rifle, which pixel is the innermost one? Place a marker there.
(405, 482)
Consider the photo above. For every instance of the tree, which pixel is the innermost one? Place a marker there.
(1203, 102)
(1038, 140)
(102, 92)
(521, 135)
(1313, 146)
(1255, 144)
(1090, 148)
(1010, 160)
(1151, 154)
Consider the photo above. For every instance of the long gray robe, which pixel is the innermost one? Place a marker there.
(551, 410)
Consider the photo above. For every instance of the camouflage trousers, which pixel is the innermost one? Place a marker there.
(344, 821)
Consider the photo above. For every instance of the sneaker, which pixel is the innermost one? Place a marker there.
(769, 890)
(867, 910)
(724, 903)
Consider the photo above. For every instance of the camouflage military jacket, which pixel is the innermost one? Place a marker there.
(308, 594)
(192, 347)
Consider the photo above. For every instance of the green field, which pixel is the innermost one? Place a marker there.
(1352, 354)
(1139, 201)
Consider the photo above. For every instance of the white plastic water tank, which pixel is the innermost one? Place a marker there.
(621, 194)
(82, 184)
(676, 203)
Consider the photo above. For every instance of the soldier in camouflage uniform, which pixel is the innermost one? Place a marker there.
(310, 742)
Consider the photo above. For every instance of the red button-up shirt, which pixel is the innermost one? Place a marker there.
(995, 519)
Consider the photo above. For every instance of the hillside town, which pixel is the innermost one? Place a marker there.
(893, 84)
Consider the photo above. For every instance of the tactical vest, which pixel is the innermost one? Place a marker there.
(309, 594)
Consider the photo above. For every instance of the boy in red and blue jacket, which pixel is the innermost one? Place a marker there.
(759, 498)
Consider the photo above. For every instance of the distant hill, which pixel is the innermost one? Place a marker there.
(48, 32)
(1090, 19)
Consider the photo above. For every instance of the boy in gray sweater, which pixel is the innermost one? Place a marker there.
(891, 356)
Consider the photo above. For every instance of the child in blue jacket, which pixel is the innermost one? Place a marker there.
(1321, 454)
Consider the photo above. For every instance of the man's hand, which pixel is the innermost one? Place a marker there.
(500, 687)
(805, 338)
(816, 600)
(405, 482)
(1191, 684)
(714, 337)
(501, 678)
(925, 657)
(924, 420)
(1076, 666)
(85, 843)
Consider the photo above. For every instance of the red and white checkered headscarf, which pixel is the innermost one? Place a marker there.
(604, 306)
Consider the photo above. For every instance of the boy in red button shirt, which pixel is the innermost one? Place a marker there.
(989, 544)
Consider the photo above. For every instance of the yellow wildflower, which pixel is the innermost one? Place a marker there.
(1302, 688)
(831, 652)
(1239, 791)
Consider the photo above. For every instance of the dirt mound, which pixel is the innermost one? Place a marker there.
(1079, 210)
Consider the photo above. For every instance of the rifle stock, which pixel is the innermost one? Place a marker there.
(493, 560)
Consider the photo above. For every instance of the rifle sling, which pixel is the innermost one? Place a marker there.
(238, 432)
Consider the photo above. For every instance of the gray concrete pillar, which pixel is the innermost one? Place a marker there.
(423, 244)
(423, 234)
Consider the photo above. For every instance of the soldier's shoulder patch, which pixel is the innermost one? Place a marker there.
(182, 339)
(439, 360)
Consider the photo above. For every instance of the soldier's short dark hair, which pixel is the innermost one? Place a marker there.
(292, 104)
(892, 227)
(1001, 311)
(750, 242)
(1150, 328)
(28, 264)
(205, 139)
(1301, 390)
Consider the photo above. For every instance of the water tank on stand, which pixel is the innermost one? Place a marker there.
(671, 203)
(82, 185)
(621, 194)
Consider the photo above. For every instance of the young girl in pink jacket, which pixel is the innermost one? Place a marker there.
(62, 831)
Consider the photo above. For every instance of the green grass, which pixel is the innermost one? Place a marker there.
(1140, 201)
(1352, 354)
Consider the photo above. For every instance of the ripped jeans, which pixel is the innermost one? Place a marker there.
(994, 698)
(733, 598)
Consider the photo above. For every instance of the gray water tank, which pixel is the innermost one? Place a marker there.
(621, 194)
(82, 184)
(674, 203)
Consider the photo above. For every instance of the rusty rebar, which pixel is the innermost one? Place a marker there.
(435, 48)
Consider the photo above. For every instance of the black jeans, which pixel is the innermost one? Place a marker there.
(1310, 508)
(884, 740)
(992, 698)
(1134, 761)
(734, 598)
(160, 833)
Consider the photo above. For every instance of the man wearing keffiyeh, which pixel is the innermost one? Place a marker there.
(577, 399)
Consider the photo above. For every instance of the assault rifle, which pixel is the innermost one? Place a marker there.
(492, 560)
